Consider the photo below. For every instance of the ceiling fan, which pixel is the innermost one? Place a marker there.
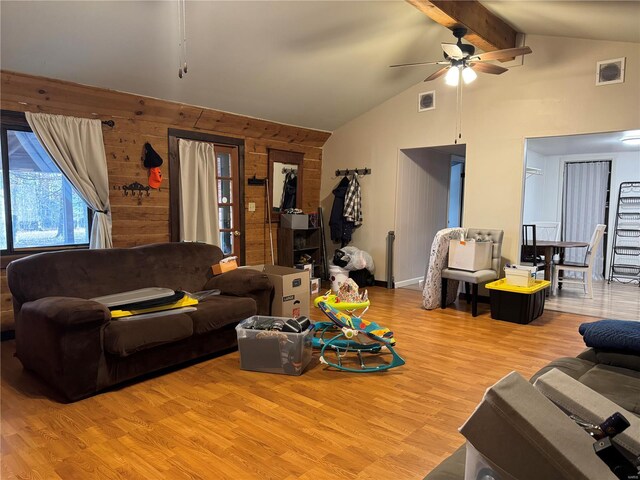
(460, 57)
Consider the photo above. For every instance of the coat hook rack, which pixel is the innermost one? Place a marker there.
(136, 188)
(359, 171)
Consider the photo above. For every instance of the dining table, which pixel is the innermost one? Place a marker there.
(549, 248)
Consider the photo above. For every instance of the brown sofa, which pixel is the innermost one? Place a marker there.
(73, 344)
(613, 374)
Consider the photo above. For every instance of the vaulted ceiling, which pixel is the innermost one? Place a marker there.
(316, 64)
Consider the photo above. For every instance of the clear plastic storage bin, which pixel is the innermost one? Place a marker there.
(272, 351)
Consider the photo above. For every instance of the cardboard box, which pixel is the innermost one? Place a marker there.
(315, 286)
(272, 351)
(469, 255)
(520, 276)
(225, 265)
(305, 266)
(298, 222)
(291, 287)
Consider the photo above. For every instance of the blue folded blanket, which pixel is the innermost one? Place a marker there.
(612, 335)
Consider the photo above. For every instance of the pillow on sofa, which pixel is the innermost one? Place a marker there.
(618, 335)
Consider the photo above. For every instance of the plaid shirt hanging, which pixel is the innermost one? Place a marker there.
(353, 202)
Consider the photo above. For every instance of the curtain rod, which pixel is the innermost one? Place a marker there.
(109, 123)
(359, 171)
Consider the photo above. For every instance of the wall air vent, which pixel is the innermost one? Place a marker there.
(426, 101)
(610, 71)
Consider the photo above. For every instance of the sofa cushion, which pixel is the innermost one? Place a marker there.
(220, 310)
(620, 385)
(126, 336)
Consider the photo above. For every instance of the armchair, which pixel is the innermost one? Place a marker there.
(481, 276)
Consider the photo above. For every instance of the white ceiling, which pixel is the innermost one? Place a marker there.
(317, 64)
(609, 142)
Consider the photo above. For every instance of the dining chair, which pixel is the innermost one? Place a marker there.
(549, 231)
(529, 254)
(585, 268)
(481, 276)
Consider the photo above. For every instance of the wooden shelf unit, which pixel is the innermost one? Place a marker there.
(294, 242)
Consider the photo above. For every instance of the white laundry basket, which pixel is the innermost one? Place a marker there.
(338, 276)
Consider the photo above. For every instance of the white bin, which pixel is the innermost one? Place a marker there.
(338, 276)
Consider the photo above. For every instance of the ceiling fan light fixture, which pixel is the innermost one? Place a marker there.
(468, 75)
(453, 76)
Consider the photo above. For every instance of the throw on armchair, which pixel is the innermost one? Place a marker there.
(75, 346)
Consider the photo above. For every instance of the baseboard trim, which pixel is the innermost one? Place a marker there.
(382, 283)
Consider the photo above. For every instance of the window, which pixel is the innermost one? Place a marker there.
(40, 209)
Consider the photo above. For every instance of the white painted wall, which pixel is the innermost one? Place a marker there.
(553, 93)
(543, 197)
(421, 210)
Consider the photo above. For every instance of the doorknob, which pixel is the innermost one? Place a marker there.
(236, 233)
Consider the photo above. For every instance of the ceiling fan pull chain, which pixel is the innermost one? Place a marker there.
(184, 35)
(460, 112)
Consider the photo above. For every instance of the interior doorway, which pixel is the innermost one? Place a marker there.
(430, 197)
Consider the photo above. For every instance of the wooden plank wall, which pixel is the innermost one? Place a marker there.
(139, 119)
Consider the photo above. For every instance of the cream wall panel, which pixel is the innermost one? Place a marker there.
(553, 93)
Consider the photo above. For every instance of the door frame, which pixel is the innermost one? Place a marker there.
(174, 180)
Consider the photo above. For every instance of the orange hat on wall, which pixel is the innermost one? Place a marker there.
(155, 177)
(152, 161)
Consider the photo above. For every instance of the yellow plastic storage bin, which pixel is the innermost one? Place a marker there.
(517, 304)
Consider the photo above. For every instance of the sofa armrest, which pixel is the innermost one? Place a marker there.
(67, 312)
(60, 339)
(245, 282)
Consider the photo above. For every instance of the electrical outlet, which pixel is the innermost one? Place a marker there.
(252, 206)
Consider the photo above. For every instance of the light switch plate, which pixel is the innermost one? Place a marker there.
(252, 206)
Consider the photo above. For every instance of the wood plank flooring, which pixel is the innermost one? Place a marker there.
(615, 300)
(214, 421)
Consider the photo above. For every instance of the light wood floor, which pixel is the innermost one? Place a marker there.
(215, 421)
(616, 300)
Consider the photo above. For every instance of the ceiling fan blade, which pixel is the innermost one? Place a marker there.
(437, 74)
(502, 54)
(419, 63)
(452, 50)
(488, 68)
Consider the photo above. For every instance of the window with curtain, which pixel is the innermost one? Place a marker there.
(40, 208)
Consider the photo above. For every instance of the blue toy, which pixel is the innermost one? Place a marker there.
(353, 335)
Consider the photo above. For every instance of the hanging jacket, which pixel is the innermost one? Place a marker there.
(340, 228)
(289, 191)
(353, 202)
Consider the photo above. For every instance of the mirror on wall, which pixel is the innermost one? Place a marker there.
(285, 181)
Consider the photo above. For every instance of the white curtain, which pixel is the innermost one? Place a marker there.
(76, 146)
(585, 198)
(198, 193)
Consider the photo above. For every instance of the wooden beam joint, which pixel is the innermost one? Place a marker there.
(485, 30)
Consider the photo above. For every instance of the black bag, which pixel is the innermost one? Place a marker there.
(363, 278)
(340, 259)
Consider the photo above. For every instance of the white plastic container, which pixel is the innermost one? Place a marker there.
(520, 276)
(338, 276)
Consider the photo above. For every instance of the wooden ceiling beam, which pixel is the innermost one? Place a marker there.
(484, 30)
